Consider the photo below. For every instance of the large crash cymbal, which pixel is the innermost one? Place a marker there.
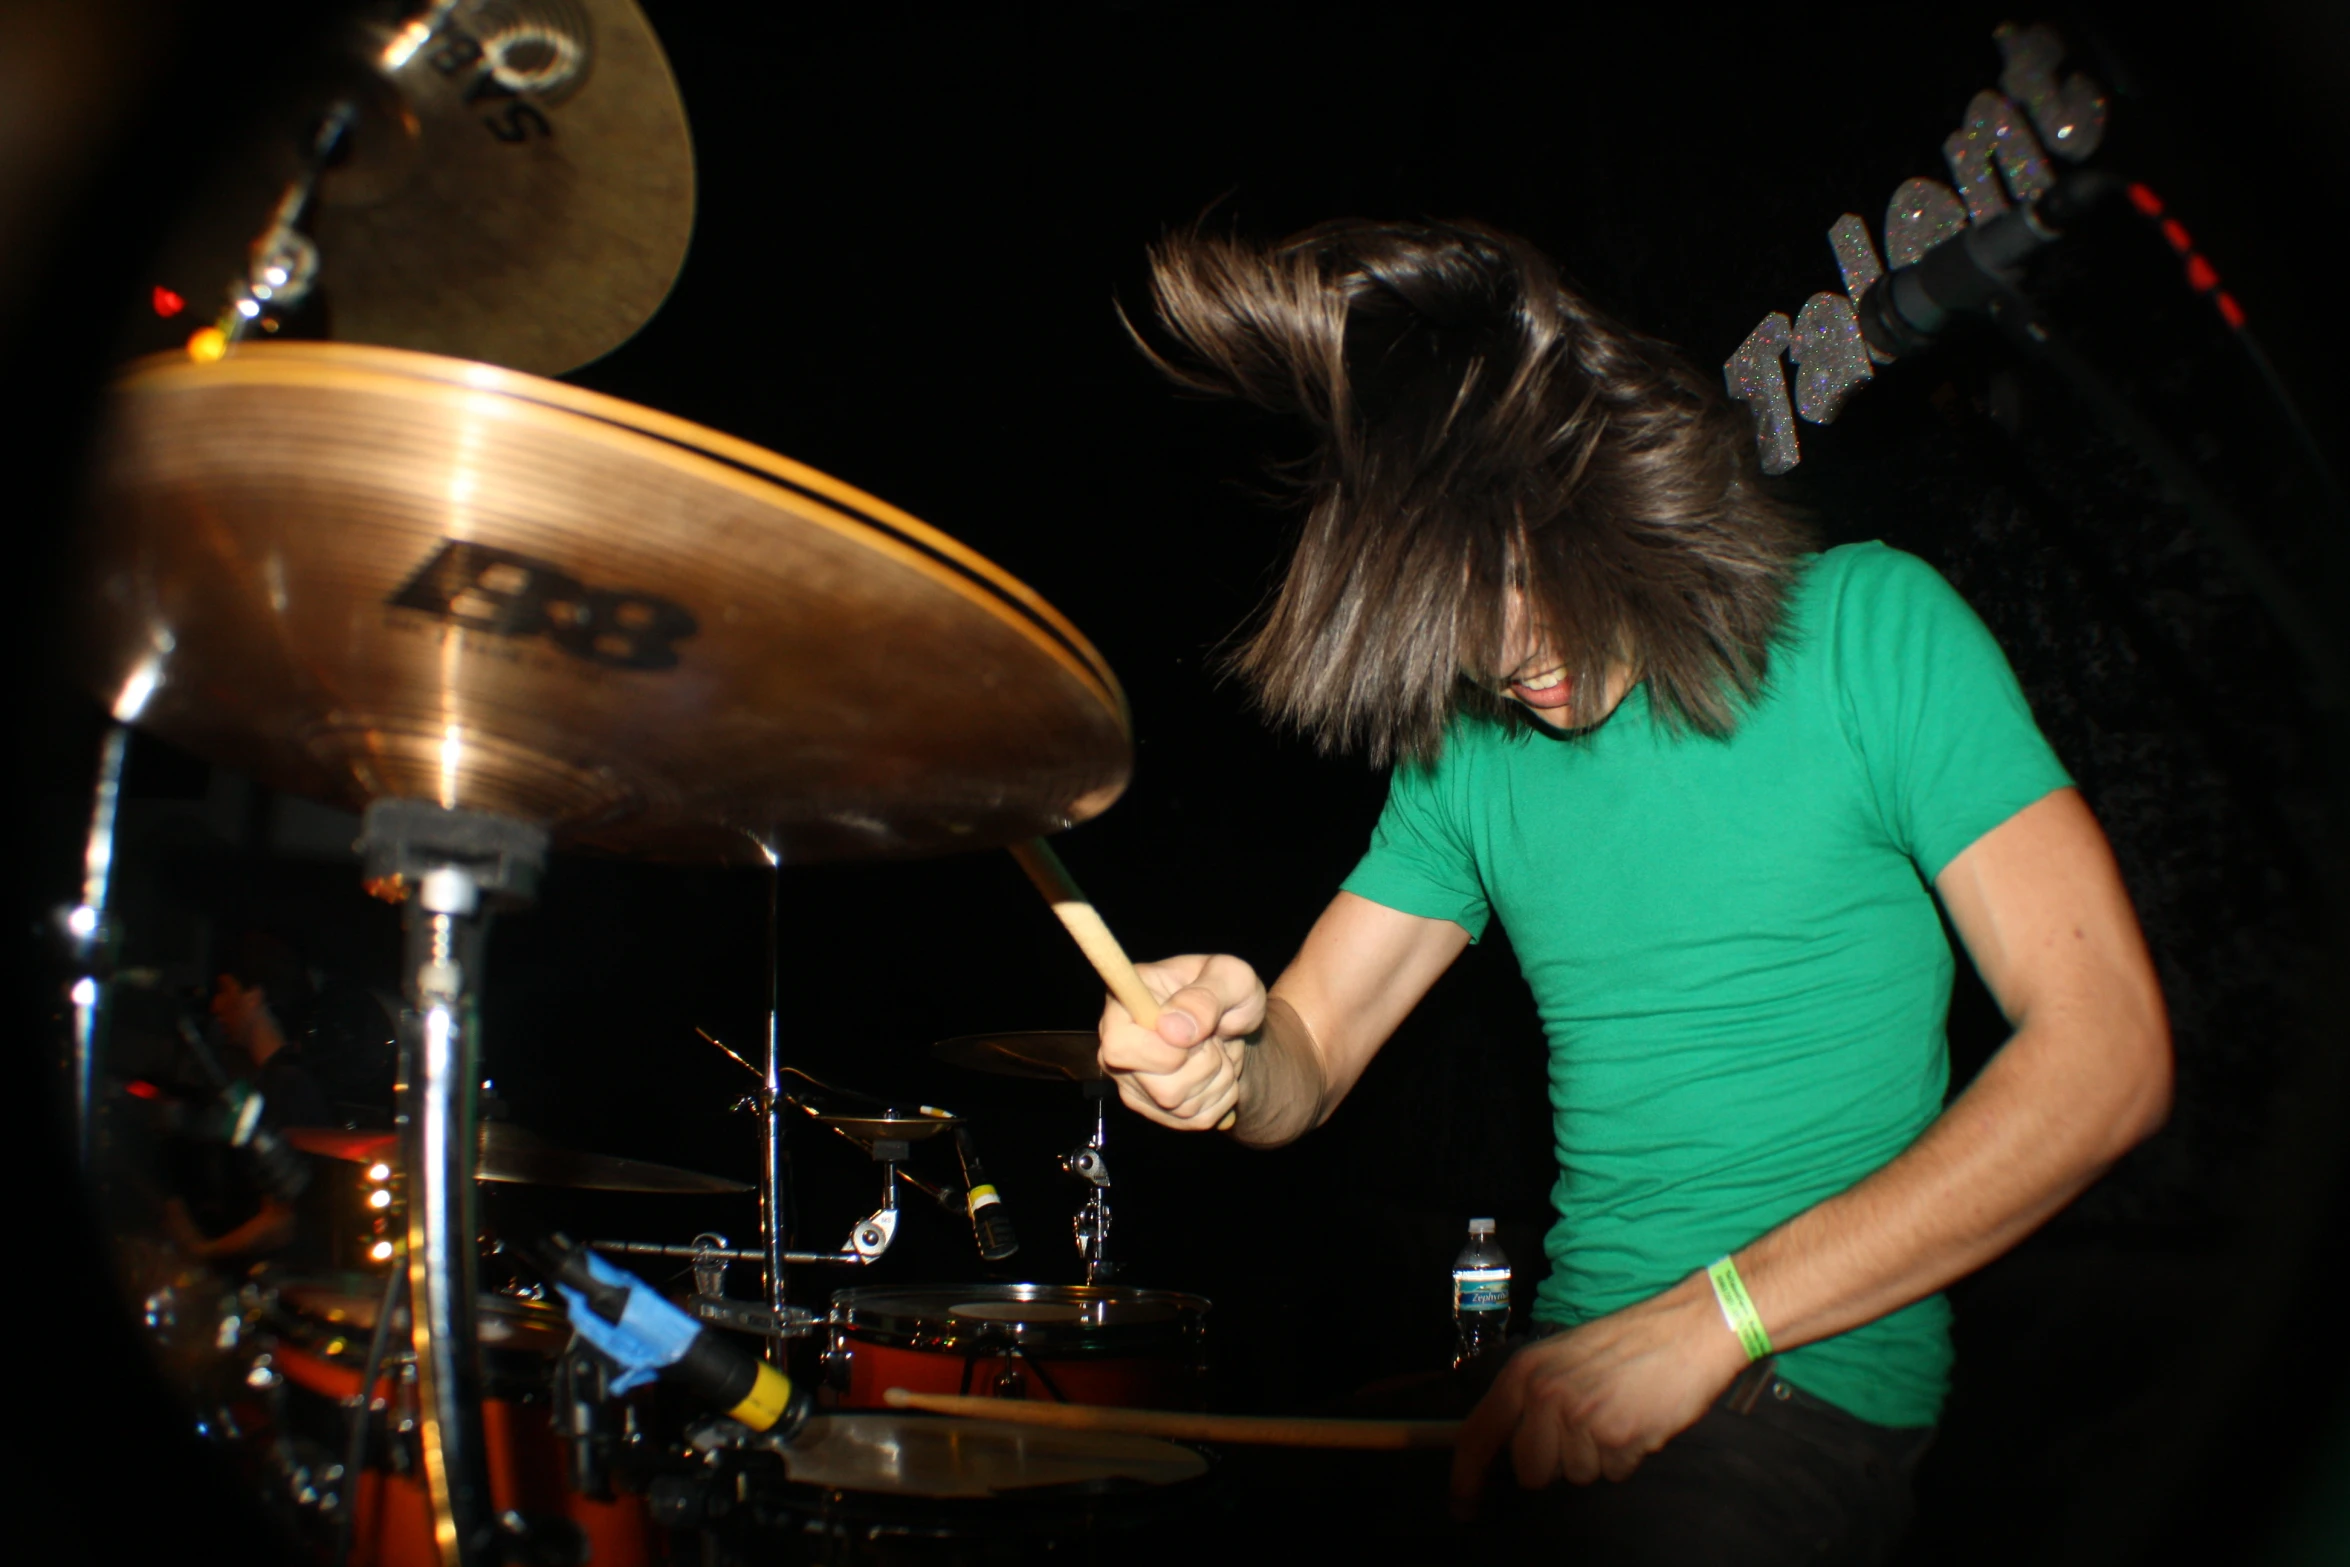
(518, 188)
(355, 573)
(517, 1156)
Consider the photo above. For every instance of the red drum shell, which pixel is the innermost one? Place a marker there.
(1077, 1344)
(393, 1524)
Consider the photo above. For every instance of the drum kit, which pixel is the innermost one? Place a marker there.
(348, 541)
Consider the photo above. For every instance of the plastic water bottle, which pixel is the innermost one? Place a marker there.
(1480, 1295)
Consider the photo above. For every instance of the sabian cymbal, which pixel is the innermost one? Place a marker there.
(1065, 1055)
(516, 1156)
(355, 573)
(518, 188)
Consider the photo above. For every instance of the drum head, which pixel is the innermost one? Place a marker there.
(939, 1458)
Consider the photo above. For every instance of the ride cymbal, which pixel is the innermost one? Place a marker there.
(355, 573)
(1057, 1056)
(928, 1456)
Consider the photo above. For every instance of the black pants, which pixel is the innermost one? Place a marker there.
(1769, 1476)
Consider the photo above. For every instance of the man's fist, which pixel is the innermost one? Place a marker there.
(1185, 1073)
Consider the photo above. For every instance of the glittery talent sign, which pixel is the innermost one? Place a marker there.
(1995, 160)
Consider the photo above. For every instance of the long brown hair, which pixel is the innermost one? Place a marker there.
(1480, 426)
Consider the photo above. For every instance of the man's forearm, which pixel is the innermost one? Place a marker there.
(267, 1230)
(1283, 1087)
(2045, 1118)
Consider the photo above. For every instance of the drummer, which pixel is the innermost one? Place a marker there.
(1712, 782)
(262, 1006)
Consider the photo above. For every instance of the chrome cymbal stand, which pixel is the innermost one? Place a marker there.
(450, 869)
(775, 1172)
(1086, 1163)
(90, 938)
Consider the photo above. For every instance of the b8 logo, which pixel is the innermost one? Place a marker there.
(509, 594)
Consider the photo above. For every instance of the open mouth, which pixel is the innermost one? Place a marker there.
(1550, 690)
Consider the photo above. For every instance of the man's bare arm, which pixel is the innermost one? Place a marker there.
(2086, 1074)
(2085, 1077)
(1361, 971)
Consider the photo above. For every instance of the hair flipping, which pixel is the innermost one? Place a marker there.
(1480, 426)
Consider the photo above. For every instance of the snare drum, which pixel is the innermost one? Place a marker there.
(314, 1345)
(1074, 1344)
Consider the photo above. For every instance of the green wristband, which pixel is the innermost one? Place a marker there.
(1738, 1308)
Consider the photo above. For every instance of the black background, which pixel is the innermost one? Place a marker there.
(911, 233)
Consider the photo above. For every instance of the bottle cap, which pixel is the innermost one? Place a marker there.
(1480, 1226)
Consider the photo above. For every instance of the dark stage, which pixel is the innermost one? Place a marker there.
(912, 235)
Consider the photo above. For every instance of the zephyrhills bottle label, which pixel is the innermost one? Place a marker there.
(1481, 1289)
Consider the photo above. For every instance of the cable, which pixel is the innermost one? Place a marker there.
(2204, 278)
(355, 1451)
(2308, 634)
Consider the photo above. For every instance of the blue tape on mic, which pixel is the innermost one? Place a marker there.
(650, 1334)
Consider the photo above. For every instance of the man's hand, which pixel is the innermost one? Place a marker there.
(1186, 1072)
(1597, 1399)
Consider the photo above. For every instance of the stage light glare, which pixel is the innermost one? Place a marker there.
(379, 1172)
(381, 1251)
(381, 1197)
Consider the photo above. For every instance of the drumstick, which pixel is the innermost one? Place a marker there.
(1093, 937)
(1180, 1426)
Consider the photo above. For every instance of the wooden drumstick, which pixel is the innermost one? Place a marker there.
(1084, 923)
(1176, 1425)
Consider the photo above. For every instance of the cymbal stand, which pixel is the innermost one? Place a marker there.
(90, 939)
(282, 264)
(710, 1254)
(775, 1170)
(1085, 1163)
(448, 868)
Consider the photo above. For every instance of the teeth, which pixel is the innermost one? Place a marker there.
(1542, 682)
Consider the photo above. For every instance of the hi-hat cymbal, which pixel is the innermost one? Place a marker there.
(516, 1156)
(866, 1130)
(517, 188)
(1066, 1055)
(355, 573)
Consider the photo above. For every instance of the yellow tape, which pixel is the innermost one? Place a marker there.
(980, 1197)
(765, 1403)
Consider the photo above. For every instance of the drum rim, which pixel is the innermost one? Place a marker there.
(862, 1313)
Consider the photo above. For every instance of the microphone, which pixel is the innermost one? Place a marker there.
(991, 1223)
(1911, 307)
(285, 1172)
(646, 1336)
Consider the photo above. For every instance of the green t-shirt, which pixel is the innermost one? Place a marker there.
(1732, 942)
